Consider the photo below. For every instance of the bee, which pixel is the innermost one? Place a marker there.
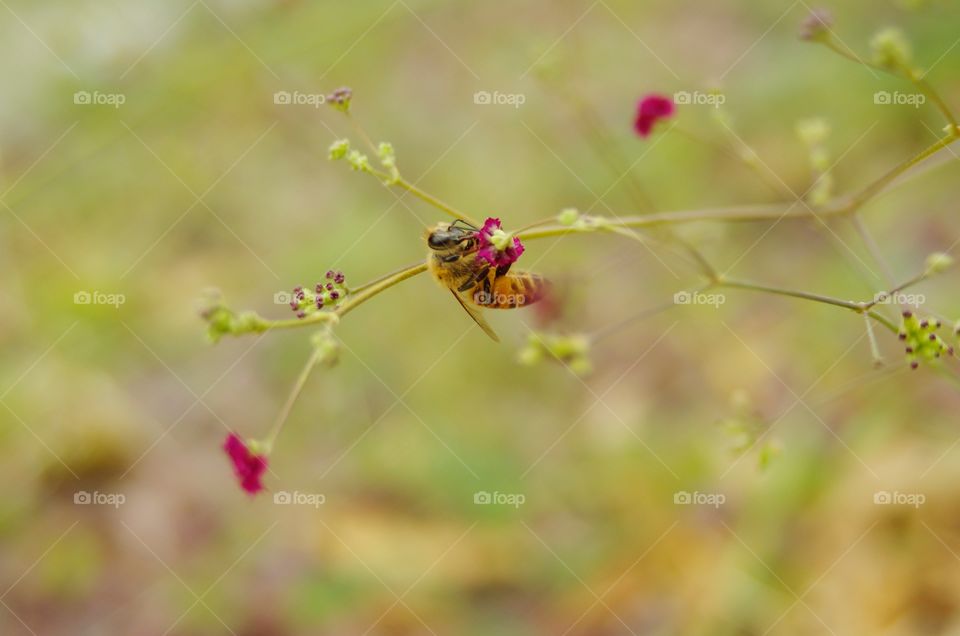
(475, 283)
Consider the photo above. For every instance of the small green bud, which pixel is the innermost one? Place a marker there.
(813, 132)
(891, 49)
(938, 262)
(387, 157)
(339, 149)
(568, 216)
(358, 161)
(327, 347)
(822, 190)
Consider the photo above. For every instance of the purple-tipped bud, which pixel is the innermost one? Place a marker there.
(329, 273)
(319, 302)
(909, 349)
(329, 286)
(339, 278)
(907, 313)
(294, 304)
(902, 335)
(933, 337)
(914, 364)
(334, 295)
(301, 314)
(924, 324)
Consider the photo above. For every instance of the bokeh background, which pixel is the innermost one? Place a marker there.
(200, 180)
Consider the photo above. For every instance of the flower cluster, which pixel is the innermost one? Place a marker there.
(340, 99)
(222, 321)
(571, 350)
(922, 342)
(324, 295)
(651, 109)
(496, 246)
(249, 465)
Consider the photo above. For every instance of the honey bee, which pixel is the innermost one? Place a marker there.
(452, 261)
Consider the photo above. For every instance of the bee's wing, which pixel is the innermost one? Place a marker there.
(477, 317)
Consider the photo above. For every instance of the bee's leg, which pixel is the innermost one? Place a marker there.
(476, 278)
(503, 269)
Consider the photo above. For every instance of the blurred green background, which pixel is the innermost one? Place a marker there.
(199, 179)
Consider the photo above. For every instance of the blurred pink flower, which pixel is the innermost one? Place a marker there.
(489, 252)
(651, 109)
(247, 466)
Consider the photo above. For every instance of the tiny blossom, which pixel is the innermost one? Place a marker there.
(651, 109)
(340, 98)
(496, 246)
(339, 149)
(922, 343)
(891, 49)
(358, 161)
(248, 466)
(817, 25)
(938, 262)
(568, 216)
(308, 301)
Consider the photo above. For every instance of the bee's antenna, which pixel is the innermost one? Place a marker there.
(469, 226)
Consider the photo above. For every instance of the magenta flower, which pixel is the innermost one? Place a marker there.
(247, 466)
(651, 109)
(496, 246)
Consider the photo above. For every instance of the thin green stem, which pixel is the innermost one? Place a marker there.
(877, 186)
(435, 202)
(291, 400)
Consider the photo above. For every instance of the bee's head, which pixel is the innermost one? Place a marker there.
(445, 236)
